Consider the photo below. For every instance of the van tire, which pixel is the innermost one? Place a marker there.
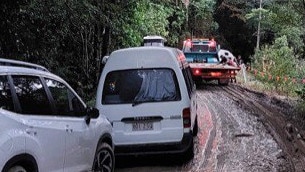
(189, 153)
(195, 129)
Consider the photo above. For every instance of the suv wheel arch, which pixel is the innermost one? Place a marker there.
(26, 161)
(105, 149)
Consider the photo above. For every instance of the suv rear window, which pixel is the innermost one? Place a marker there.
(6, 100)
(32, 96)
(140, 85)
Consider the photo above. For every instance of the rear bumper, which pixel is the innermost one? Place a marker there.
(215, 75)
(218, 77)
(156, 148)
(227, 72)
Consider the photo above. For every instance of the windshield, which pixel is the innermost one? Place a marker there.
(153, 42)
(140, 85)
(200, 48)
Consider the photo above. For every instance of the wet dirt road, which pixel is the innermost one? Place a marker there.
(239, 130)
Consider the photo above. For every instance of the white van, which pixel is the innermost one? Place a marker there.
(149, 97)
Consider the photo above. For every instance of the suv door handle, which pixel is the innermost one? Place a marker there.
(31, 131)
(68, 129)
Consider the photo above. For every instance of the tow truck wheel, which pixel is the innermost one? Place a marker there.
(198, 81)
(223, 82)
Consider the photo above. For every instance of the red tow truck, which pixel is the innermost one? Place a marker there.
(204, 57)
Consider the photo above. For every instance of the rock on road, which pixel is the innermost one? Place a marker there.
(237, 132)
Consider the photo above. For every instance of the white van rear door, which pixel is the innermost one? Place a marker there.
(146, 123)
(143, 105)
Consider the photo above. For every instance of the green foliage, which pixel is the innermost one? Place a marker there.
(266, 16)
(201, 22)
(70, 37)
(175, 27)
(277, 60)
(146, 18)
(280, 19)
(64, 37)
(294, 35)
(234, 32)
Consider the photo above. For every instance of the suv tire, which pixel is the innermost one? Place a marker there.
(17, 168)
(104, 158)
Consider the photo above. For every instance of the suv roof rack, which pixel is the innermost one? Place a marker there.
(9, 62)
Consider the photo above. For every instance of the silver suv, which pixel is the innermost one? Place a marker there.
(45, 126)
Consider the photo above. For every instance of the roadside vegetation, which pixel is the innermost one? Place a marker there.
(71, 37)
(279, 62)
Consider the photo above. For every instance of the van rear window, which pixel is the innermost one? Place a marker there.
(140, 85)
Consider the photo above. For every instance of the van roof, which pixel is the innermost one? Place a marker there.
(154, 37)
(145, 57)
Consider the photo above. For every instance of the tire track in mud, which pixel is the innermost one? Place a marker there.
(210, 159)
(234, 130)
(207, 151)
(212, 162)
(226, 126)
(228, 123)
(274, 122)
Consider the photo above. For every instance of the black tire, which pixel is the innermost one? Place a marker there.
(17, 168)
(195, 129)
(223, 82)
(21, 163)
(198, 81)
(104, 160)
(189, 154)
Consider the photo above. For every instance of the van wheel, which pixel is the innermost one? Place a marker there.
(195, 129)
(17, 168)
(198, 81)
(189, 154)
(104, 159)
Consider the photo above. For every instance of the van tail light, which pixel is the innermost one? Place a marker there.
(186, 118)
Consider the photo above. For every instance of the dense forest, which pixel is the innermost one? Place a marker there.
(71, 37)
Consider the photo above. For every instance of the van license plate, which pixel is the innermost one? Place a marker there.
(142, 126)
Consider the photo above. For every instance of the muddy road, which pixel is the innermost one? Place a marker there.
(239, 130)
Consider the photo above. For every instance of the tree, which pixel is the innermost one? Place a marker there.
(234, 33)
(201, 22)
(144, 18)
